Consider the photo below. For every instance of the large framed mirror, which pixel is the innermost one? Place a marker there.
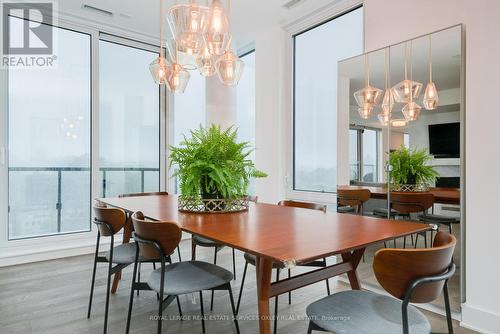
(401, 128)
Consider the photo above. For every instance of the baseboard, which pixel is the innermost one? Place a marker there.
(480, 320)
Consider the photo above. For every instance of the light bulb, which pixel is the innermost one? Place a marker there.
(205, 63)
(387, 102)
(384, 119)
(230, 68)
(160, 70)
(178, 79)
(404, 89)
(217, 37)
(431, 98)
(365, 111)
(411, 111)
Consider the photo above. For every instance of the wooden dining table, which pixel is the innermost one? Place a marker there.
(291, 236)
(441, 195)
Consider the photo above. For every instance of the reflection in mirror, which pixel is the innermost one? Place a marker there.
(418, 112)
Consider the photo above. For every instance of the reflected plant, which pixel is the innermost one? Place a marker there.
(410, 166)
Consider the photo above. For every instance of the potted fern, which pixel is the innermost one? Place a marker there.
(213, 168)
(410, 170)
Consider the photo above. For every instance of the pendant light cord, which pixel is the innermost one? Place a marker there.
(430, 57)
(161, 30)
(411, 71)
(406, 60)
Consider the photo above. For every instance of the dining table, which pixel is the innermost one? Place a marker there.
(273, 233)
(441, 195)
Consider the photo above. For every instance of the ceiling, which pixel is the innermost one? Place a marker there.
(142, 16)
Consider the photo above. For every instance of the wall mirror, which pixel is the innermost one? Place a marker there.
(425, 122)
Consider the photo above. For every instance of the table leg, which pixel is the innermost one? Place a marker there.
(127, 234)
(354, 258)
(263, 269)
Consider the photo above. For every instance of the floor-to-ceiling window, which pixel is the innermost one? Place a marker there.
(365, 154)
(189, 110)
(245, 106)
(49, 146)
(316, 52)
(129, 121)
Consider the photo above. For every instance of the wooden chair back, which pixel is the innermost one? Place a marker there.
(353, 197)
(166, 234)
(158, 193)
(411, 202)
(112, 217)
(396, 269)
(304, 205)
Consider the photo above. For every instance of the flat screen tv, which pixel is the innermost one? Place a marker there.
(444, 140)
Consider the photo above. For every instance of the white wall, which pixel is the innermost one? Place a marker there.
(482, 307)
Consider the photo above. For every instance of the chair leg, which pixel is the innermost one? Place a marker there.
(241, 287)
(416, 240)
(193, 250)
(160, 302)
(139, 276)
(425, 239)
(289, 292)
(93, 274)
(235, 314)
(212, 300)
(309, 328)
(131, 301)
(275, 328)
(108, 286)
(404, 242)
(449, 228)
(234, 266)
(179, 307)
(412, 241)
(202, 313)
(179, 253)
(449, 320)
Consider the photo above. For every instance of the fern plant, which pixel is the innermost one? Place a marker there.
(212, 164)
(410, 166)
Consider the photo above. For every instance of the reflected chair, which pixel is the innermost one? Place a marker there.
(352, 199)
(110, 221)
(251, 259)
(156, 240)
(204, 242)
(409, 275)
(413, 203)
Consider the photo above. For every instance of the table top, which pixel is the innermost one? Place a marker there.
(441, 195)
(281, 233)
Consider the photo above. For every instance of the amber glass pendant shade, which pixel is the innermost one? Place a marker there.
(366, 111)
(401, 91)
(387, 102)
(160, 70)
(399, 123)
(188, 23)
(431, 98)
(179, 78)
(368, 95)
(384, 119)
(217, 37)
(206, 63)
(230, 68)
(411, 111)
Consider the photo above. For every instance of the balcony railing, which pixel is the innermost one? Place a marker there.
(106, 173)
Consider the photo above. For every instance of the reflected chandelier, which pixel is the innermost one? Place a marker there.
(201, 41)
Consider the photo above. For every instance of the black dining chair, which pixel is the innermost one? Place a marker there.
(156, 240)
(409, 276)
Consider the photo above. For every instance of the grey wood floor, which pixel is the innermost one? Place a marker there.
(52, 297)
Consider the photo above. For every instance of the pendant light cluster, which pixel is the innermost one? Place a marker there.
(201, 41)
(406, 92)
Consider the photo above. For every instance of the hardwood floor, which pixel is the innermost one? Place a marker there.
(52, 297)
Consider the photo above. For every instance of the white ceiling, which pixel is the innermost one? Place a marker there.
(142, 16)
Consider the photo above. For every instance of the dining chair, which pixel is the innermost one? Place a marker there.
(413, 203)
(251, 259)
(204, 242)
(110, 221)
(352, 199)
(408, 275)
(156, 240)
